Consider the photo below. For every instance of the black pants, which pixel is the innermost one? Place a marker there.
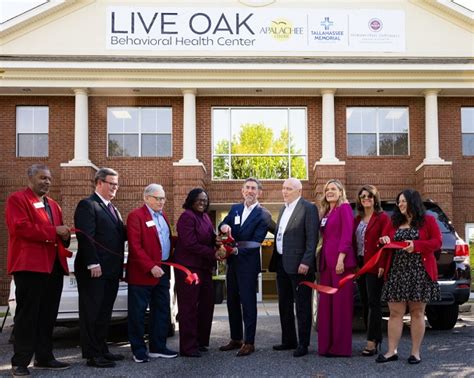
(289, 293)
(96, 301)
(37, 298)
(370, 290)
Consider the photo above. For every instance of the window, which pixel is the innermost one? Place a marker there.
(139, 131)
(266, 143)
(32, 124)
(467, 127)
(377, 131)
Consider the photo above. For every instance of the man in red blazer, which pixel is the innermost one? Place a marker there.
(35, 230)
(149, 243)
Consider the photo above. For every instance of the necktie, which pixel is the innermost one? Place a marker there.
(48, 209)
(112, 211)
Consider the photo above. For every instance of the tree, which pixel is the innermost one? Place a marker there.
(256, 152)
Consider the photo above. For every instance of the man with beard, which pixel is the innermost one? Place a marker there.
(247, 221)
(36, 230)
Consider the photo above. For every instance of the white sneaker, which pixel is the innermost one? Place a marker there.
(140, 361)
(166, 353)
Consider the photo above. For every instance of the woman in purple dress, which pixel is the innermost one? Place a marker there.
(337, 260)
(195, 249)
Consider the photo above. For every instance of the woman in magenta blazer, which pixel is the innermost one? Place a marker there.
(368, 227)
(195, 249)
(337, 260)
(410, 273)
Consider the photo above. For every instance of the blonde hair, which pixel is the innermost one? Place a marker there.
(342, 198)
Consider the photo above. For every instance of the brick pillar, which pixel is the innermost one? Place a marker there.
(185, 178)
(436, 182)
(77, 183)
(323, 173)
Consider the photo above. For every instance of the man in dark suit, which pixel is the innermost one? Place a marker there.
(248, 221)
(35, 234)
(149, 243)
(293, 259)
(98, 266)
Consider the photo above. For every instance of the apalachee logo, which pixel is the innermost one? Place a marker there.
(281, 29)
(375, 25)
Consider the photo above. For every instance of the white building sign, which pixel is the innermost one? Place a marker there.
(226, 29)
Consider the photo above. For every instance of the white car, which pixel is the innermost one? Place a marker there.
(68, 314)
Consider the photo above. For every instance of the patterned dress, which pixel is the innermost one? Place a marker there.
(408, 279)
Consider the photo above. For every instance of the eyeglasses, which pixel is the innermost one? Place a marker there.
(112, 184)
(366, 196)
(161, 199)
(202, 200)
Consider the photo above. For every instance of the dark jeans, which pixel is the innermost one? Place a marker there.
(370, 289)
(158, 298)
(37, 297)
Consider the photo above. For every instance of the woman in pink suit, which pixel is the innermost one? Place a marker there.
(337, 260)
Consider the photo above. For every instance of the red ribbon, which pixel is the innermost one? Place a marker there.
(63, 251)
(191, 278)
(373, 261)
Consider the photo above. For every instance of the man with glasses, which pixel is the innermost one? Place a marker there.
(149, 243)
(98, 266)
(248, 221)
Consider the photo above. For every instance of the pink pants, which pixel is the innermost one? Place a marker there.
(335, 316)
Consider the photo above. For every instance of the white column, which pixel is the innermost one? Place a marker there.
(431, 129)
(328, 129)
(81, 128)
(189, 128)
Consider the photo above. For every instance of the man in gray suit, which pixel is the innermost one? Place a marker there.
(293, 259)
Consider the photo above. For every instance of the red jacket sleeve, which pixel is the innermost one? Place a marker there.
(137, 253)
(430, 237)
(20, 222)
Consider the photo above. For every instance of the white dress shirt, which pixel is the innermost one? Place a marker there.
(247, 211)
(285, 217)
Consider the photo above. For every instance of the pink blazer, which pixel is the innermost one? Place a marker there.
(337, 238)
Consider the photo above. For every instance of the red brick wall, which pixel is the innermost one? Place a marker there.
(390, 174)
(449, 118)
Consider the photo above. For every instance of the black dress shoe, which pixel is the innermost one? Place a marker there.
(100, 362)
(300, 351)
(113, 357)
(194, 354)
(203, 348)
(20, 371)
(381, 358)
(284, 347)
(412, 360)
(52, 365)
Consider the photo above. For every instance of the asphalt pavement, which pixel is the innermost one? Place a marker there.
(444, 354)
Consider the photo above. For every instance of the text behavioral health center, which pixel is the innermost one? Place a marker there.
(190, 94)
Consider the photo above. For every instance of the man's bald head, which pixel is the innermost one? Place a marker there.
(291, 189)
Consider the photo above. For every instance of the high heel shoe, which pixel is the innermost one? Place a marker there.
(371, 352)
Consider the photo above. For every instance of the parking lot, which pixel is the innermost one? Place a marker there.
(444, 353)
